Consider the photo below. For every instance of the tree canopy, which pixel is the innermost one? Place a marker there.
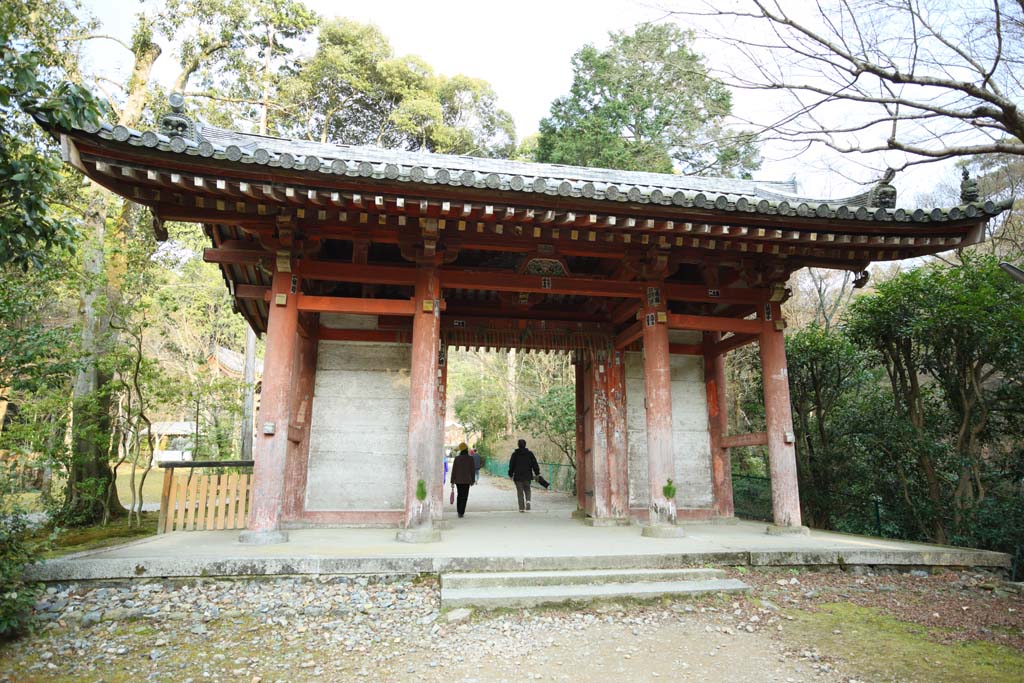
(646, 103)
(355, 90)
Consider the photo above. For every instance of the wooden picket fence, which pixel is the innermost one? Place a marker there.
(194, 501)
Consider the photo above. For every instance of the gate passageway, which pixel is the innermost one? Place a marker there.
(493, 494)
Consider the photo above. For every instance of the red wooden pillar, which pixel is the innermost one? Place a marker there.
(296, 469)
(581, 455)
(618, 447)
(270, 447)
(718, 426)
(597, 460)
(658, 393)
(779, 419)
(422, 461)
(438, 491)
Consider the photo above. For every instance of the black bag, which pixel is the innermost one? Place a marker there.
(542, 481)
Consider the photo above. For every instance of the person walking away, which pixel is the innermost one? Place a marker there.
(477, 462)
(462, 478)
(522, 467)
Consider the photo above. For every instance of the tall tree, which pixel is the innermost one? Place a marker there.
(951, 336)
(354, 90)
(213, 38)
(646, 103)
(929, 79)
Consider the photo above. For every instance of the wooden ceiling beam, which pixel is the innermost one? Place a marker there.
(629, 335)
(705, 323)
(733, 342)
(355, 306)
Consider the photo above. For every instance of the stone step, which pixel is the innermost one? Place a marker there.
(530, 596)
(574, 577)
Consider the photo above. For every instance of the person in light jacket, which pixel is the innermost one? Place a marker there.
(522, 467)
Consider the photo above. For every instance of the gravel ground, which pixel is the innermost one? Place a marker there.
(383, 629)
(390, 629)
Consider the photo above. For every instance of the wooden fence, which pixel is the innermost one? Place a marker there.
(196, 501)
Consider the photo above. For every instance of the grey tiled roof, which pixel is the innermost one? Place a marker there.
(422, 168)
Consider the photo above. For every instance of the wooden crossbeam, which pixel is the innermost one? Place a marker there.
(351, 305)
(740, 440)
(629, 335)
(234, 254)
(686, 349)
(706, 323)
(252, 292)
(733, 342)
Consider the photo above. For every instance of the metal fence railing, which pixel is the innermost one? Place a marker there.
(562, 477)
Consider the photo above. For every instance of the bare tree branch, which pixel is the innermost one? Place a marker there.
(927, 79)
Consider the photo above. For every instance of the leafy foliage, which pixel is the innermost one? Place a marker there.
(29, 171)
(553, 416)
(915, 403)
(16, 596)
(646, 103)
(354, 90)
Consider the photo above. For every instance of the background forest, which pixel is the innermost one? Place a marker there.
(907, 397)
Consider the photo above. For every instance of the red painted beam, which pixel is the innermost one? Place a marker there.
(234, 256)
(339, 304)
(625, 311)
(629, 335)
(734, 342)
(512, 282)
(741, 440)
(686, 349)
(252, 292)
(706, 323)
(353, 272)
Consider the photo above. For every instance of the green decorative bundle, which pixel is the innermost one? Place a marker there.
(421, 490)
(669, 490)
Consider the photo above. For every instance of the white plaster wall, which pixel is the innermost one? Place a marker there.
(690, 439)
(360, 426)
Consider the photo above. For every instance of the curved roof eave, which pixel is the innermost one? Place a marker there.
(425, 168)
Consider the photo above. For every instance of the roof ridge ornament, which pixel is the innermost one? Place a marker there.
(176, 123)
(883, 195)
(969, 192)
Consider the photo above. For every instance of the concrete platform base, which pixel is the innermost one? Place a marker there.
(662, 531)
(579, 514)
(774, 530)
(723, 520)
(262, 537)
(607, 521)
(419, 535)
(495, 541)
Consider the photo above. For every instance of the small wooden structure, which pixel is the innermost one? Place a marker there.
(363, 266)
(197, 501)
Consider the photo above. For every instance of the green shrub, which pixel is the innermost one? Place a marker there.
(16, 596)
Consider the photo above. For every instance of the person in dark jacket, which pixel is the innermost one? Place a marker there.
(463, 476)
(522, 467)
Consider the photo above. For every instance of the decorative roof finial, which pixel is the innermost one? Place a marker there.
(968, 188)
(884, 194)
(176, 123)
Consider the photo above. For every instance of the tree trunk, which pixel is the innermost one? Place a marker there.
(90, 476)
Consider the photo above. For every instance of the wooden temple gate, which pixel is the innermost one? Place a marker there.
(339, 253)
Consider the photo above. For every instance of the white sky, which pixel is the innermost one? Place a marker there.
(523, 49)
